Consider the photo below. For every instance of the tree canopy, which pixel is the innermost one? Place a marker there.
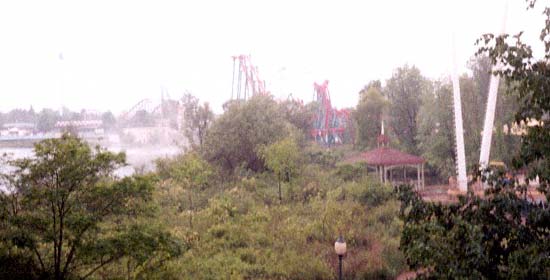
(281, 157)
(369, 114)
(196, 120)
(67, 211)
(405, 90)
(234, 138)
(436, 129)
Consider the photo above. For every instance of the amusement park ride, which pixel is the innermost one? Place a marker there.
(248, 80)
(329, 125)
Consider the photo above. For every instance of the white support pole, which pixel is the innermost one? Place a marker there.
(489, 121)
(459, 133)
(490, 111)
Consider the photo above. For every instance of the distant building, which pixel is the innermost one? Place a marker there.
(83, 128)
(521, 129)
(17, 129)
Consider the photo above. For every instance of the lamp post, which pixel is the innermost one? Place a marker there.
(340, 248)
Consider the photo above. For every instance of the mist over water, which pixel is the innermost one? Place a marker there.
(140, 158)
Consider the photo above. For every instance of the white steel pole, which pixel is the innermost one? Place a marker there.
(459, 133)
(489, 121)
(490, 111)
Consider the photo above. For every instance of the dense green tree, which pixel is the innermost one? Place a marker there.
(20, 115)
(109, 120)
(197, 119)
(369, 114)
(66, 210)
(192, 173)
(405, 90)
(506, 143)
(234, 138)
(298, 114)
(500, 236)
(47, 118)
(281, 157)
(436, 129)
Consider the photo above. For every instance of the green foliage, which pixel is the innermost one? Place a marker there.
(405, 90)
(46, 120)
(369, 192)
(502, 235)
(281, 157)
(16, 265)
(477, 237)
(234, 138)
(297, 114)
(436, 130)
(241, 234)
(350, 172)
(67, 211)
(326, 158)
(368, 116)
(197, 120)
(190, 172)
(237, 230)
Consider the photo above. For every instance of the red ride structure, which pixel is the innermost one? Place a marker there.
(330, 125)
(248, 80)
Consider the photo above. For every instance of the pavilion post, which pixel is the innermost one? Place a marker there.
(423, 181)
(418, 176)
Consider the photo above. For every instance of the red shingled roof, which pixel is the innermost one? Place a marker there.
(385, 156)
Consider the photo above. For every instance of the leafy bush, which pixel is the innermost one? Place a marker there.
(369, 192)
(349, 172)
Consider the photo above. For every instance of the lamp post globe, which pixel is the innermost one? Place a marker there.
(340, 248)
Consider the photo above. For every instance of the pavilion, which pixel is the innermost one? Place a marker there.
(385, 160)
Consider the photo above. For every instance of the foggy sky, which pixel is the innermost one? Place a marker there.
(108, 55)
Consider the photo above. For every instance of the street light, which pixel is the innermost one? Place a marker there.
(340, 248)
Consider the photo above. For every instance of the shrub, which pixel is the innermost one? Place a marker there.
(349, 172)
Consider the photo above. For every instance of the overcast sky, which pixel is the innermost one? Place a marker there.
(108, 55)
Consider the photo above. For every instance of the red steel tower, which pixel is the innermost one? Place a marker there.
(330, 125)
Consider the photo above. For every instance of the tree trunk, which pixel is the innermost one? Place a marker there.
(190, 210)
(280, 194)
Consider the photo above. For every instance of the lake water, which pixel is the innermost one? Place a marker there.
(137, 157)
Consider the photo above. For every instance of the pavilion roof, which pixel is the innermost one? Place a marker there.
(385, 156)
